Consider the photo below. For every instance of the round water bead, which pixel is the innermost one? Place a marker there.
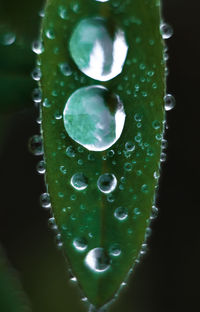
(45, 200)
(166, 30)
(79, 181)
(121, 213)
(107, 183)
(101, 54)
(94, 117)
(35, 145)
(115, 250)
(80, 244)
(169, 102)
(97, 260)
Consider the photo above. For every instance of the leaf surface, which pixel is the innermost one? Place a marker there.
(89, 216)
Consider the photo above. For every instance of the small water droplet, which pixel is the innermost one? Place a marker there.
(62, 12)
(50, 34)
(166, 30)
(36, 74)
(65, 69)
(169, 102)
(41, 167)
(52, 224)
(37, 47)
(37, 95)
(45, 200)
(163, 157)
(80, 244)
(156, 124)
(102, 54)
(35, 145)
(154, 212)
(79, 181)
(129, 146)
(97, 260)
(8, 38)
(46, 103)
(107, 183)
(115, 250)
(144, 188)
(121, 213)
(70, 152)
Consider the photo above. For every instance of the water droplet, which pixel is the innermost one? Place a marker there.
(144, 188)
(163, 157)
(35, 145)
(41, 167)
(62, 12)
(115, 250)
(79, 181)
(169, 102)
(156, 124)
(164, 144)
(128, 167)
(102, 54)
(52, 223)
(102, 0)
(94, 117)
(37, 95)
(129, 146)
(37, 47)
(46, 103)
(7, 39)
(65, 69)
(73, 279)
(154, 212)
(156, 175)
(121, 213)
(45, 200)
(97, 260)
(50, 34)
(80, 244)
(166, 30)
(36, 74)
(70, 152)
(107, 183)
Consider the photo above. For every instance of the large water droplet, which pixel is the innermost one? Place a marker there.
(99, 49)
(94, 117)
(97, 260)
(107, 183)
(79, 181)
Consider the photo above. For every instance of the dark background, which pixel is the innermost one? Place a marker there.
(168, 277)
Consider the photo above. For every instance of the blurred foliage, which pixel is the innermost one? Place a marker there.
(19, 21)
(12, 298)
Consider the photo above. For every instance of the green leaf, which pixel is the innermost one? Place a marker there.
(12, 298)
(102, 232)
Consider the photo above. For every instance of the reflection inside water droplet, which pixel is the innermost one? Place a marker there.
(79, 181)
(80, 244)
(121, 213)
(97, 260)
(101, 54)
(107, 183)
(94, 117)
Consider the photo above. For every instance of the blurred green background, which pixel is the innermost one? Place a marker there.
(167, 278)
